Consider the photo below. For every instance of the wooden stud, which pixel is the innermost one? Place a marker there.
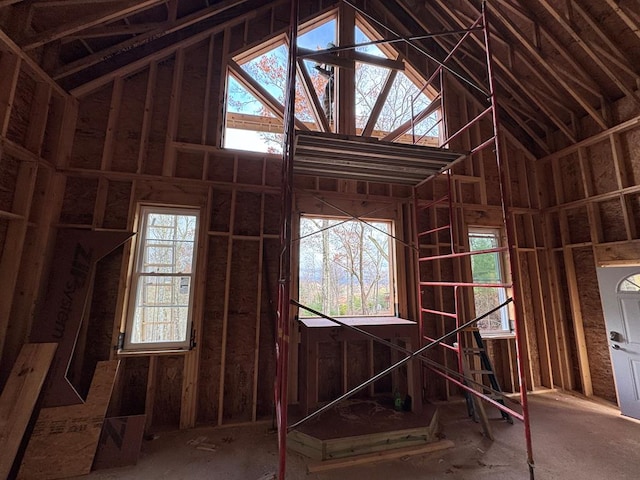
(112, 125)
(10, 64)
(38, 118)
(225, 314)
(169, 162)
(150, 397)
(146, 117)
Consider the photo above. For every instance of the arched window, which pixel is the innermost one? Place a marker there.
(630, 284)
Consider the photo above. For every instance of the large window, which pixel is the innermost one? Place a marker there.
(488, 268)
(161, 298)
(346, 266)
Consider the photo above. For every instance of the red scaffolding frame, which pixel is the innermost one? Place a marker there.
(284, 293)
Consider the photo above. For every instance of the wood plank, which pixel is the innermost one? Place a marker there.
(618, 254)
(10, 66)
(112, 125)
(169, 162)
(379, 456)
(144, 38)
(578, 325)
(19, 398)
(38, 118)
(64, 439)
(31, 63)
(89, 21)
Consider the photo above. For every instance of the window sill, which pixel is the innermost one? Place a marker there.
(153, 352)
(497, 335)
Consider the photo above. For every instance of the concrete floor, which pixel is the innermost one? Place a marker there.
(572, 439)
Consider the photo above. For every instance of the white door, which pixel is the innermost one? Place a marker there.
(620, 295)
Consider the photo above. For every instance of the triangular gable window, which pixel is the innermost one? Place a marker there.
(384, 98)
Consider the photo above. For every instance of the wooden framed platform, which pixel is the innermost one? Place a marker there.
(318, 330)
(363, 426)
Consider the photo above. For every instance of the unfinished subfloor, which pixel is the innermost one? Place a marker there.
(572, 438)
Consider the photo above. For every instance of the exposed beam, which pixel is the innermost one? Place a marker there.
(329, 57)
(61, 31)
(312, 96)
(585, 79)
(143, 38)
(535, 53)
(589, 51)
(6, 3)
(596, 27)
(112, 31)
(624, 16)
(377, 108)
(509, 74)
(66, 3)
(27, 60)
(260, 92)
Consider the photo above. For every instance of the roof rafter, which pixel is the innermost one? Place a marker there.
(626, 18)
(589, 51)
(534, 52)
(508, 72)
(141, 39)
(61, 31)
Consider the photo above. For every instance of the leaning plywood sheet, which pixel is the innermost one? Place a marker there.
(19, 397)
(64, 439)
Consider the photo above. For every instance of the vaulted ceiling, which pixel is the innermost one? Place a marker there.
(564, 69)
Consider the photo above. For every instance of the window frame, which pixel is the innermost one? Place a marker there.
(503, 276)
(393, 264)
(137, 273)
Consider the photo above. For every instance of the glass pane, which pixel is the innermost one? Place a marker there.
(630, 284)
(344, 267)
(169, 243)
(485, 299)
(161, 310)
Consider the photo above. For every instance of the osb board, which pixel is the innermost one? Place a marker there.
(603, 173)
(19, 397)
(221, 167)
(8, 177)
(248, 208)
(192, 107)
(250, 170)
(120, 442)
(91, 128)
(630, 141)
(578, 223)
(132, 384)
(21, 108)
(241, 331)
(268, 316)
(190, 164)
(211, 341)
(159, 116)
(357, 366)
(79, 200)
(116, 213)
(126, 145)
(168, 391)
(531, 317)
(571, 177)
(271, 218)
(64, 439)
(381, 361)
(221, 205)
(546, 187)
(612, 220)
(96, 336)
(627, 253)
(329, 371)
(595, 330)
(565, 304)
